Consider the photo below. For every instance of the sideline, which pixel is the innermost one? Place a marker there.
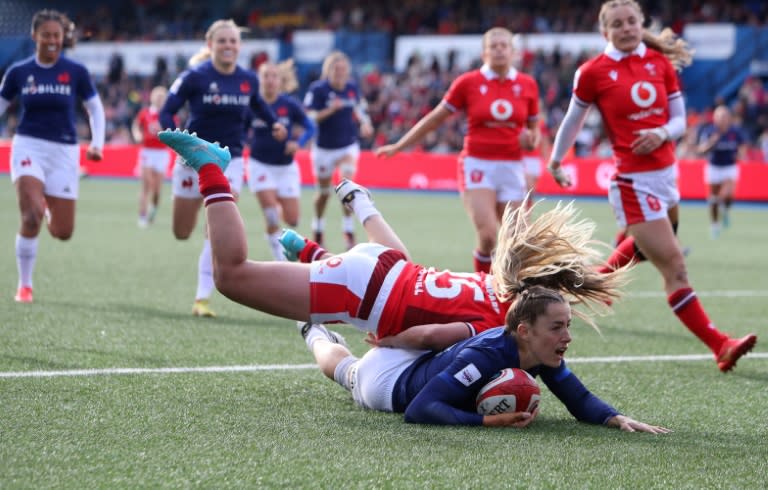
(285, 367)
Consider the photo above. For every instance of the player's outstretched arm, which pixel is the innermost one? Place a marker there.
(628, 424)
(434, 336)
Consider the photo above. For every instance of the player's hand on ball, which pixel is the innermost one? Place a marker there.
(510, 419)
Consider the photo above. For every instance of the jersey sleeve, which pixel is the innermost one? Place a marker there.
(583, 88)
(311, 100)
(455, 99)
(85, 88)
(580, 402)
(298, 116)
(671, 81)
(447, 398)
(177, 95)
(8, 86)
(259, 106)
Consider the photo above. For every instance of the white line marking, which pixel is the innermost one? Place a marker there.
(703, 294)
(279, 367)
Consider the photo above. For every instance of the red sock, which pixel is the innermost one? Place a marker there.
(213, 185)
(622, 255)
(688, 309)
(311, 251)
(482, 261)
(621, 235)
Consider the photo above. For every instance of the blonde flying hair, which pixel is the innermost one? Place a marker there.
(204, 53)
(675, 49)
(555, 251)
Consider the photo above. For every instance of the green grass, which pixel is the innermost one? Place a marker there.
(119, 297)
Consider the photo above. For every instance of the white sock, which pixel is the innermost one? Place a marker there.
(344, 374)
(205, 283)
(348, 224)
(318, 224)
(363, 207)
(26, 254)
(314, 333)
(274, 245)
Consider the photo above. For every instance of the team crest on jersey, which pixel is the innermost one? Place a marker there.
(63, 77)
(468, 375)
(650, 68)
(483, 89)
(213, 87)
(245, 87)
(613, 74)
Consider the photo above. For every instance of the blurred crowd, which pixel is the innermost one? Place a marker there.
(397, 100)
(169, 19)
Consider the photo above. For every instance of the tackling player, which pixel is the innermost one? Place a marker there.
(374, 286)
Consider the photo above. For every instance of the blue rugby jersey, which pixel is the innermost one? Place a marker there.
(340, 129)
(267, 149)
(441, 387)
(726, 150)
(48, 97)
(219, 104)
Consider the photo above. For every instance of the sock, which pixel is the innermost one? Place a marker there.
(205, 283)
(213, 185)
(363, 207)
(26, 255)
(345, 372)
(274, 245)
(688, 309)
(318, 224)
(621, 256)
(621, 235)
(347, 224)
(314, 333)
(311, 251)
(482, 261)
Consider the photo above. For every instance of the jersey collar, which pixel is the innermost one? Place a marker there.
(490, 74)
(616, 55)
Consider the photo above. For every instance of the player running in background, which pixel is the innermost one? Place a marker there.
(502, 108)
(273, 174)
(154, 156)
(335, 104)
(375, 286)
(634, 86)
(45, 154)
(725, 144)
(440, 387)
(221, 96)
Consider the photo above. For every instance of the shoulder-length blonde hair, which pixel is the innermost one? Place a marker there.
(204, 53)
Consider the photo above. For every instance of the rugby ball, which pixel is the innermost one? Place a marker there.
(511, 390)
